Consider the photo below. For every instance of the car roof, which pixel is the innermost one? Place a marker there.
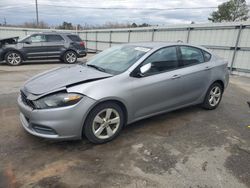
(55, 33)
(163, 44)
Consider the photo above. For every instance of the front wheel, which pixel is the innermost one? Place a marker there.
(213, 96)
(13, 58)
(104, 123)
(70, 57)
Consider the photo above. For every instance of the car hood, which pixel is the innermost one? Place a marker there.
(9, 40)
(62, 77)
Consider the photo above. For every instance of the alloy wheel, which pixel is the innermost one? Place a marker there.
(214, 96)
(106, 123)
(14, 58)
(71, 57)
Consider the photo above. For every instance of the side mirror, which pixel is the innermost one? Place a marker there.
(145, 68)
(27, 42)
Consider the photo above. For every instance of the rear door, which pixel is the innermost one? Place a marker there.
(195, 74)
(54, 44)
(33, 48)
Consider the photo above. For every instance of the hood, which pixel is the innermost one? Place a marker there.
(10, 40)
(61, 78)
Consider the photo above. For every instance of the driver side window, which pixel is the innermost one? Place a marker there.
(37, 38)
(162, 60)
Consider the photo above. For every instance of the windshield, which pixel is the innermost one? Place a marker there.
(117, 59)
(23, 38)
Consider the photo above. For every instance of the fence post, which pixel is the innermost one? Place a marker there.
(235, 48)
(188, 34)
(96, 41)
(110, 38)
(86, 40)
(129, 31)
(153, 34)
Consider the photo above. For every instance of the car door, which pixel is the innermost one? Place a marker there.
(195, 74)
(54, 44)
(159, 89)
(32, 47)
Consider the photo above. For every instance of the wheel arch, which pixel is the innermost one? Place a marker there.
(67, 50)
(12, 50)
(221, 83)
(118, 102)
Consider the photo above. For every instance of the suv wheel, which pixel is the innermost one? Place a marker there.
(70, 57)
(104, 123)
(213, 96)
(13, 58)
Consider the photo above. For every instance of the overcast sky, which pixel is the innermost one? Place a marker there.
(56, 11)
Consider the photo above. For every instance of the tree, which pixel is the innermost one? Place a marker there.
(134, 25)
(232, 10)
(66, 25)
(33, 24)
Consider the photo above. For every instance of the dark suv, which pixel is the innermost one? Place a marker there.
(51, 45)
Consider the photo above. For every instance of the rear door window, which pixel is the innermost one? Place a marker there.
(191, 56)
(207, 56)
(54, 38)
(74, 38)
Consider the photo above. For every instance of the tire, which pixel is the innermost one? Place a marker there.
(100, 119)
(213, 96)
(13, 58)
(70, 57)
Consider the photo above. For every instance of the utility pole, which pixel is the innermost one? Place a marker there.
(4, 22)
(37, 21)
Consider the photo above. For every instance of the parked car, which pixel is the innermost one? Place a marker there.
(51, 45)
(119, 86)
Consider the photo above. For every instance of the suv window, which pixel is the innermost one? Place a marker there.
(74, 38)
(36, 38)
(162, 60)
(191, 56)
(54, 38)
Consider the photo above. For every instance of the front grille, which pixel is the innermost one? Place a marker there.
(27, 101)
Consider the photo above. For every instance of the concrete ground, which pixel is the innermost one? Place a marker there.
(192, 147)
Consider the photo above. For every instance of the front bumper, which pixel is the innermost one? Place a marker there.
(56, 123)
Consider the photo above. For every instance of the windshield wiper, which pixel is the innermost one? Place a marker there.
(96, 67)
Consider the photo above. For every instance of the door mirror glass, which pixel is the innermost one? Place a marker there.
(145, 68)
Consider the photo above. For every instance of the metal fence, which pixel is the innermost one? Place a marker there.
(229, 40)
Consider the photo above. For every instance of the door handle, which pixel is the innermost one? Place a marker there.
(176, 76)
(207, 68)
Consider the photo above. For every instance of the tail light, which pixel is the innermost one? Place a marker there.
(82, 43)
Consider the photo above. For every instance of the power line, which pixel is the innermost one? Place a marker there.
(117, 8)
(128, 8)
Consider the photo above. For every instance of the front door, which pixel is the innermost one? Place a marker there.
(160, 88)
(33, 48)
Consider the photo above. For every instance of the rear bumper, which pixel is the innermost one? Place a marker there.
(57, 123)
(81, 53)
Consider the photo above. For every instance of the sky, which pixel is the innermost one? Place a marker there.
(54, 12)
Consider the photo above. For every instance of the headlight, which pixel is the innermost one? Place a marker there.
(57, 100)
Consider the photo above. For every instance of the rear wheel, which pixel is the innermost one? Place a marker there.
(104, 123)
(213, 96)
(70, 57)
(13, 58)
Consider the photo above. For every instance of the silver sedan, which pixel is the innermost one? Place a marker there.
(121, 85)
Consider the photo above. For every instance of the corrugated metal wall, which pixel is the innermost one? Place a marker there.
(229, 40)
